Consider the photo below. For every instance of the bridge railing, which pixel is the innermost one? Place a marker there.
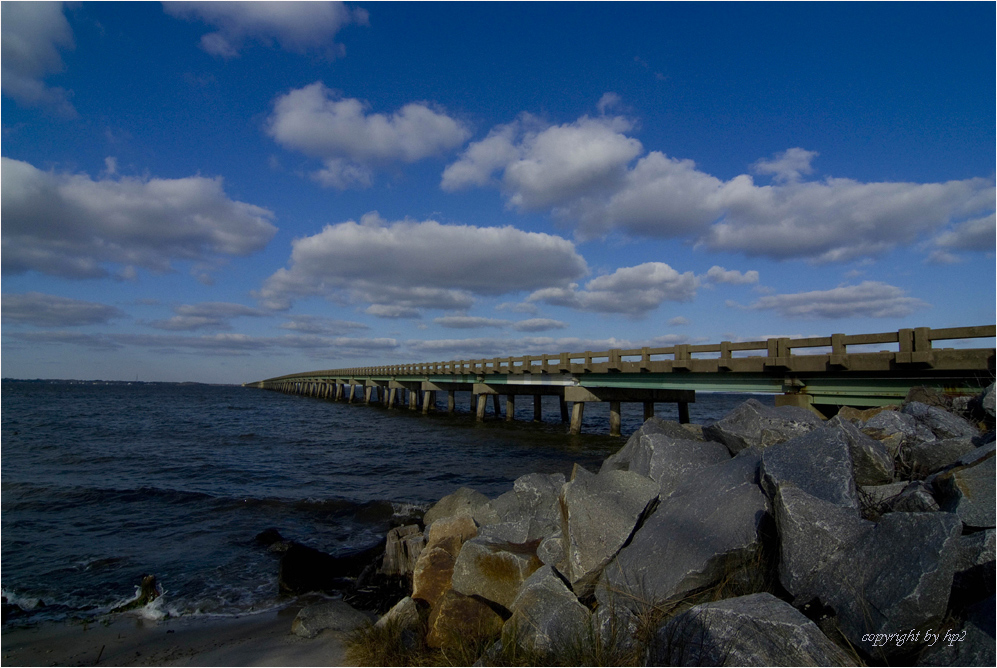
(912, 347)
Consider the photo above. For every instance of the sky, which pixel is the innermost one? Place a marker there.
(227, 192)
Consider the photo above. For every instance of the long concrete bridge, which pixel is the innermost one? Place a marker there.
(820, 373)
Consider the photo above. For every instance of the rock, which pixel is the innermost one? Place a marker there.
(871, 461)
(148, 591)
(988, 402)
(855, 415)
(666, 460)
(710, 527)
(615, 628)
(465, 501)
(896, 429)
(941, 422)
(928, 396)
(450, 533)
(927, 457)
(404, 616)
(529, 511)
(494, 570)
(432, 575)
(916, 497)
(401, 550)
(598, 515)
(877, 577)
(974, 569)
(460, 620)
(878, 494)
(754, 630)
(818, 462)
(550, 551)
(968, 488)
(546, 616)
(971, 645)
(304, 569)
(335, 616)
(753, 423)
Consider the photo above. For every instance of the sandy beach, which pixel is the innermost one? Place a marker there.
(263, 639)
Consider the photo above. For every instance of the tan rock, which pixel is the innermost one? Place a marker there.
(450, 533)
(494, 570)
(856, 415)
(432, 575)
(461, 619)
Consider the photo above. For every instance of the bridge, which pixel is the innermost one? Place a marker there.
(820, 373)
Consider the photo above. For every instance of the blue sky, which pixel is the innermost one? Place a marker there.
(228, 192)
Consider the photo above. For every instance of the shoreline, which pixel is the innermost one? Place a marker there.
(260, 639)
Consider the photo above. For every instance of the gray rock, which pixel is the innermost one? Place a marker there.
(529, 511)
(465, 501)
(872, 462)
(401, 550)
(916, 497)
(968, 490)
(988, 401)
(971, 645)
(598, 515)
(509, 532)
(819, 462)
(876, 495)
(941, 422)
(335, 616)
(615, 628)
(493, 570)
(551, 549)
(754, 424)
(755, 630)
(708, 528)
(666, 460)
(930, 456)
(404, 616)
(878, 577)
(898, 428)
(546, 616)
(975, 549)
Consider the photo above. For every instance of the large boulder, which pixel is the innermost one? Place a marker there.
(529, 511)
(929, 456)
(754, 630)
(941, 422)
(871, 461)
(653, 426)
(967, 489)
(433, 569)
(335, 616)
(598, 515)
(754, 424)
(711, 527)
(895, 430)
(818, 462)
(461, 620)
(665, 459)
(494, 570)
(877, 577)
(465, 501)
(546, 616)
(404, 617)
(971, 645)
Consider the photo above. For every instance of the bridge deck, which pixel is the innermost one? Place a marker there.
(822, 373)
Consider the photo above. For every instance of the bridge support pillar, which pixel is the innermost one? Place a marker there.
(683, 412)
(648, 410)
(413, 400)
(451, 402)
(391, 397)
(564, 408)
(480, 410)
(537, 408)
(368, 391)
(614, 418)
(495, 405)
(427, 401)
(577, 413)
(510, 407)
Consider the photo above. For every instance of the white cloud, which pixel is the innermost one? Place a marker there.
(869, 299)
(545, 167)
(296, 26)
(311, 324)
(632, 291)
(206, 315)
(32, 35)
(789, 165)
(582, 173)
(41, 310)
(978, 234)
(678, 321)
(718, 274)
(351, 141)
(469, 322)
(409, 265)
(608, 101)
(392, 311)
(539, 325)
(518, 307)
(70, 225)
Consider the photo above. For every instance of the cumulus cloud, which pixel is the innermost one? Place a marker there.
(206, 315)
(41, 310)
(547, 167)
(73, 226)
(312, 324)
(400, 267)
(869, 299)
(489, 347)
(592, 176)
(538, 325)
(720, 275)
(632, 291)
(351, 141)
(678, 321)
(971, 235)
(33, 34)
(296, 26)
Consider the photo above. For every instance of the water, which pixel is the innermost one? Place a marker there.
(104, 483)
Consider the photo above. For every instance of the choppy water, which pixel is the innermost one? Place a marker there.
(102, 484)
